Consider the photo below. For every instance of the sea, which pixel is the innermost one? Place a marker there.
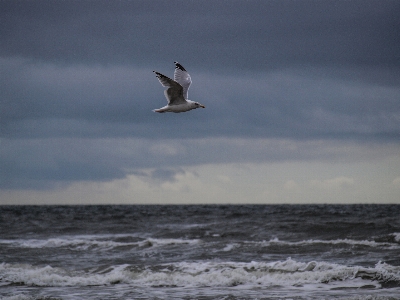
(200, 252)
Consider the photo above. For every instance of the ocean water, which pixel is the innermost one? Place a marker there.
(200, 252)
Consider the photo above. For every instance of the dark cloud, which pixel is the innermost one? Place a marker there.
(223, 34)
(46, 163)
(46, 101)
(82, 71)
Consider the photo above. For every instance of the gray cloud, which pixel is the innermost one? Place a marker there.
(227, 34)
(45, 163)
(48, 101)
(76, 76)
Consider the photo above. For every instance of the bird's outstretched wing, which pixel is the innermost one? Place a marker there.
(174, 93)
(182, 77)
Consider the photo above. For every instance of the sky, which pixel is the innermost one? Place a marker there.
(302, 102)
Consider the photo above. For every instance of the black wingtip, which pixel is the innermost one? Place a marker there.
(179, 66)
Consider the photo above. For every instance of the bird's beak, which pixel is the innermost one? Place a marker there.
(202, 106)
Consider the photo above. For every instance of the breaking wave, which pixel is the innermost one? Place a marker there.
(107, 242)
(102, 242)
(207, 274)
(388, 245)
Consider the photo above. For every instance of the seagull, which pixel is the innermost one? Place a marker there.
(177, 92)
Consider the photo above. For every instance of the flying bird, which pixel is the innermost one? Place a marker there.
(177, 91)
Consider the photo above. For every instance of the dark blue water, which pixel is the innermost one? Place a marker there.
(200, 252)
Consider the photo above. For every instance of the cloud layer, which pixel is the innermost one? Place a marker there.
(281, 80)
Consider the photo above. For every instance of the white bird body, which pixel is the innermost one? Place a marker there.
(177, 108)
(177, 92)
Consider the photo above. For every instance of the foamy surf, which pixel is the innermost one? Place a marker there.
(101, 242)
(352, 242)
(199, 252)
(205, 274)
(109, 242)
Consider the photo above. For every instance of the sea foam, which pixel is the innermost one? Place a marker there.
(93, 242)
(202, 274)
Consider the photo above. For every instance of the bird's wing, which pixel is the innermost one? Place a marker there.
(174, 93)
(182, 77)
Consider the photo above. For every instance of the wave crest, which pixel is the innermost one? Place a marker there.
(206, 274)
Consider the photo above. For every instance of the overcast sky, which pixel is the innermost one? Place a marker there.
(302, 102)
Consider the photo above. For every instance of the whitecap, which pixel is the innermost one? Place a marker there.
(287, 273)
(94, 242)
(329, 242)
(396, 236)
(230, 247)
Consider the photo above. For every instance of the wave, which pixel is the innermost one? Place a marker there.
(389, 243)
(209, 274)
(109, 241)
(276, 241)
(396, 236)
(92, 242)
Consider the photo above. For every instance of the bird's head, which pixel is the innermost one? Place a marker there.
(198, 105)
